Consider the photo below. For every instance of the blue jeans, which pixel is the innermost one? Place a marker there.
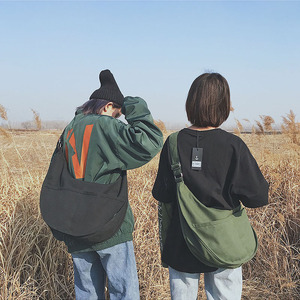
(223, 284)
(117, 263)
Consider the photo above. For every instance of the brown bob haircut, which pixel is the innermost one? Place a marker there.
(208, 100)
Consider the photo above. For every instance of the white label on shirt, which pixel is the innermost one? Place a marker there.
(196, 164)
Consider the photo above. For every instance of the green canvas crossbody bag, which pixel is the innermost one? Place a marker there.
(219, 238)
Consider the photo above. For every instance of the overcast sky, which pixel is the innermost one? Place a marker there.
(51, 53)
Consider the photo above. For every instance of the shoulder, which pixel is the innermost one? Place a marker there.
(100, 120)
(217, 133)
(229, 137)
(103, 125)
(217, 139)
(237, 145)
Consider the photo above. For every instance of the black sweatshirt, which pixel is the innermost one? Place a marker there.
(229, 174)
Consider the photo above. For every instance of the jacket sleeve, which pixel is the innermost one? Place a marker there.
(139, 140)
(248, 184)
(164, 189)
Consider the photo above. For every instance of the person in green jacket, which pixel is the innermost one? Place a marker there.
(98, 148)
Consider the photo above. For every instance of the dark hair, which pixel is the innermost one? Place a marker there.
(93, 106)
(208, 100)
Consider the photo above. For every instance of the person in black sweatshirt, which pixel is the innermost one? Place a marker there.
(229, 175)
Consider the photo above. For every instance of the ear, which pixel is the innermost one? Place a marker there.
(107, 106)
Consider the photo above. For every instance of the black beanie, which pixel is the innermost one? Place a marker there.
(109, 89)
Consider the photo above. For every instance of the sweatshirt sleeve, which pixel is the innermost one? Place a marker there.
(249, 185)
(164, 189)
(139, 140)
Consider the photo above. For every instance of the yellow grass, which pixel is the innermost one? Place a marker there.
(33, 265)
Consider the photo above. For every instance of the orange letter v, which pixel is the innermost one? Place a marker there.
(79, 168)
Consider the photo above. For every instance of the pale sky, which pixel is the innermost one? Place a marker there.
(51, 53)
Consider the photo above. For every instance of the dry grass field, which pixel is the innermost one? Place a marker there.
(33, 265)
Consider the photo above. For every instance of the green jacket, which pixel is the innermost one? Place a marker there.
(98, 148)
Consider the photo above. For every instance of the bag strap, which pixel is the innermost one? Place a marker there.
(175, 162)
(60, 141)
(59, 144)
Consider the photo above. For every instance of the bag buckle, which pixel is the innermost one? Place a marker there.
(178, 177)
(176, 168)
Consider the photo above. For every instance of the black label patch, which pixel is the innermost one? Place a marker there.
(197, 158)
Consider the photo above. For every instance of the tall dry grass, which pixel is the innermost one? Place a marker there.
(291, 127)
(268, 121)
(37, 120)
(274, 273)
(33, 265)
(3, 113)
(3, 116)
